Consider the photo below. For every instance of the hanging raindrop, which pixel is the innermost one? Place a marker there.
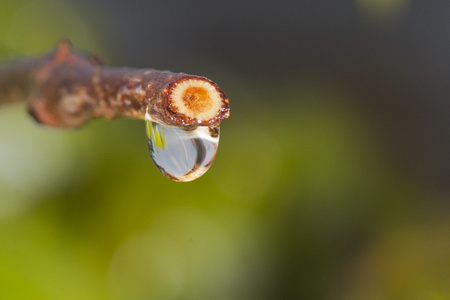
(182, 154)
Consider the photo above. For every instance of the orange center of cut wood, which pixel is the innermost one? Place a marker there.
(197, 99)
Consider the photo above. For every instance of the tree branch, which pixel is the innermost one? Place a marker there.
(66, 89)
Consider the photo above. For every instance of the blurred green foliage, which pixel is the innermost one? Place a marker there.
(301, 201)
(30, 27)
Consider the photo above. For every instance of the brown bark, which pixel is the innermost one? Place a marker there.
(66, 89)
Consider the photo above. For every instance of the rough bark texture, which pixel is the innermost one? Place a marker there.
(66, 89)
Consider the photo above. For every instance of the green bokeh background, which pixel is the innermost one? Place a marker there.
(305, 200)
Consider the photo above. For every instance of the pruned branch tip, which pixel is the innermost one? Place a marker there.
(66, 89)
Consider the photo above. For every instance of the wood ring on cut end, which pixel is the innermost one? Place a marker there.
(197, 99)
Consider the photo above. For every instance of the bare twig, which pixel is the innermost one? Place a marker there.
(66, 89)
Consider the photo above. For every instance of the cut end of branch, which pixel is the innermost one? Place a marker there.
(67, 88)
(197, 101)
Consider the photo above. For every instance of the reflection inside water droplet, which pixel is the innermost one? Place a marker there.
(182, 154)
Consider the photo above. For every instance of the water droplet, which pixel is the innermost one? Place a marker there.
(182, 154)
